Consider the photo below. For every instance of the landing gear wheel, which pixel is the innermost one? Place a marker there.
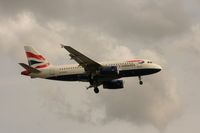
(96, 90)
(140, 80)
(141, 83)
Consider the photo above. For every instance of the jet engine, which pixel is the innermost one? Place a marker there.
(113, 84)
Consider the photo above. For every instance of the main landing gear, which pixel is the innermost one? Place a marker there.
(140, 80)
(96, 90)
(95, 85)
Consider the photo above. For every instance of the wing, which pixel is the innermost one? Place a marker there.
(87, 63)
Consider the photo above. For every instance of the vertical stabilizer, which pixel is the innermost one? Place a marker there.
(35, 59)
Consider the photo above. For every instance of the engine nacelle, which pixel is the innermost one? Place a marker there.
(109, 70)
(113, 84)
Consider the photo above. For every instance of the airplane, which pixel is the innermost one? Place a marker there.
(107, 74)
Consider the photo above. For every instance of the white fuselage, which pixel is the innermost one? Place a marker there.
(74, 71)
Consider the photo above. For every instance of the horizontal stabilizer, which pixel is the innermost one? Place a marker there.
(30, 69)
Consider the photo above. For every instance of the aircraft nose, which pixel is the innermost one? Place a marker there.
(158, 67)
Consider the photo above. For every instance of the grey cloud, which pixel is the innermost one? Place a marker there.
(156, 102)
(149, 19)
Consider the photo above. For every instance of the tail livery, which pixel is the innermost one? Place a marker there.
(35, 62)
(35, 59)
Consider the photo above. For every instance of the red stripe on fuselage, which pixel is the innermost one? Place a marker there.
(31, 55)
(135, 61)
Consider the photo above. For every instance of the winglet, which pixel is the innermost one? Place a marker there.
(62, 45)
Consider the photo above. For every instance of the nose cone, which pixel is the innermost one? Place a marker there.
(158, 68)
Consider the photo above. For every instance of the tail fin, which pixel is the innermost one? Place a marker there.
(35, 59)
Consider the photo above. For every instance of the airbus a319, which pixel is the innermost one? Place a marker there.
(107, 74)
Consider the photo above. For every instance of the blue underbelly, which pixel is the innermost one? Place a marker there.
(123, 73)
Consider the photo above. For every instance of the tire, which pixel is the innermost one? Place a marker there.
(96, 90)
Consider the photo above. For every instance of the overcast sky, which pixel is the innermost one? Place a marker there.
(167, 32)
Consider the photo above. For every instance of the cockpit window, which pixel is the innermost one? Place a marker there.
(149, 61)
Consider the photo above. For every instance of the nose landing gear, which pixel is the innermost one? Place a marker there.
(140, 80)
